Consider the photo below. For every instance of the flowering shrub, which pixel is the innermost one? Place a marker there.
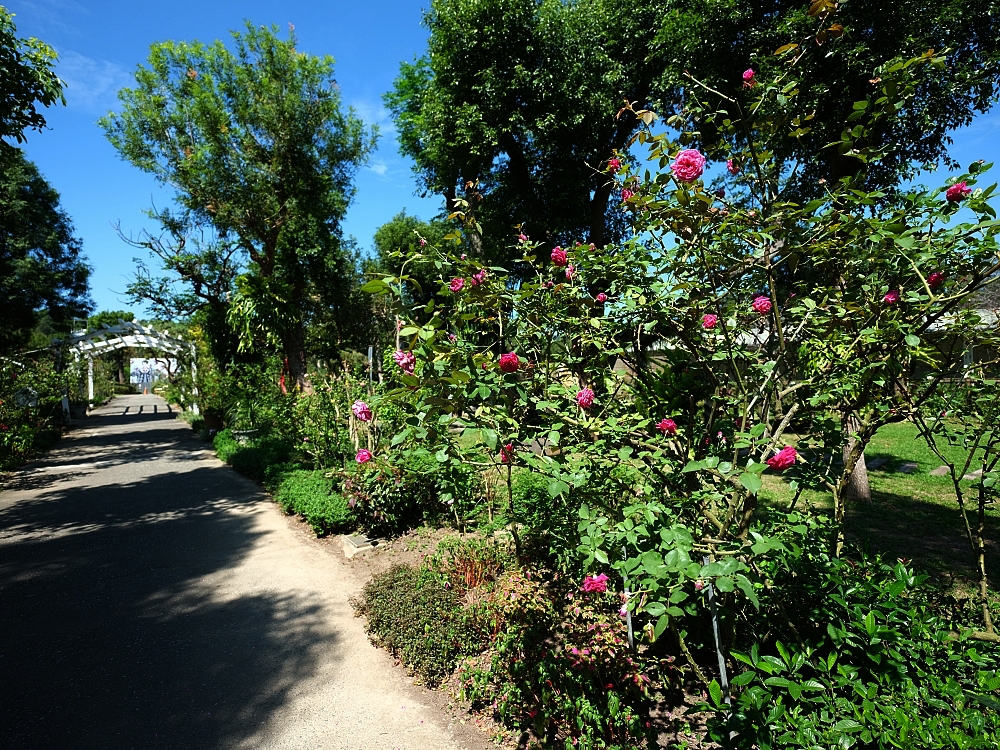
(737, 316)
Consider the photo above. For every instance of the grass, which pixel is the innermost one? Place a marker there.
(912, 516)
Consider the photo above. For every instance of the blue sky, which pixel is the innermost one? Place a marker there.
(101, 42)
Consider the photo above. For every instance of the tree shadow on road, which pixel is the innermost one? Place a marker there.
(118, 628)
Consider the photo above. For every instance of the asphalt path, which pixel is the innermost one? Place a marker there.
(151, 597)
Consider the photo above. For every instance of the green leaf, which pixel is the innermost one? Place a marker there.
(660, 626)
(375, 286)
(655, 609)
(716, 692)
(490, 438)
(743, 678)
(848, 725)
(912, 340)
(752, 482)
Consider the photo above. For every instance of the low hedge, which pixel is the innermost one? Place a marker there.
(310, 494)
(254, 457)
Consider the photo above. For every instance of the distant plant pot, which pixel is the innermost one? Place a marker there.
(245, 436)
(78, 410)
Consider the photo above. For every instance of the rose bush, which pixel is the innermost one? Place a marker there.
(740, 317)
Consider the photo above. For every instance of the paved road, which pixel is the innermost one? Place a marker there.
(150, 597)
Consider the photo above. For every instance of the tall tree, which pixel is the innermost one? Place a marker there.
(197, 277)
(514, 104)
(27, 80)
(258, 146)
(516, 100)
(42, 269)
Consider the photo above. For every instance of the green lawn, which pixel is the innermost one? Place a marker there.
(913, 516)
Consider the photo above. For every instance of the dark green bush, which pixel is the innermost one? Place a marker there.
(532, 501)
(391, 496)
(253, 458)
(310, 494)
(417, 618)
(558, 664)
(870, 664)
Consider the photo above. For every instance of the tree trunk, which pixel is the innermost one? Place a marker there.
(598, 209)
(294, 345)
(857, 487)
(980, 549)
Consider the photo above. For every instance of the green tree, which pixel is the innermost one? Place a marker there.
(717, 41)
(514, 105)
(197, 279)
(392, 243)
(42, 269)
(27, 80)
(258, 147)
(515, 102)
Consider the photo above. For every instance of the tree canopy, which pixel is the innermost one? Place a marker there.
(258, 147)
(515, 102)
(42, 269)
(27, 80)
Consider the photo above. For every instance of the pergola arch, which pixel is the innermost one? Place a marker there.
(119, 336)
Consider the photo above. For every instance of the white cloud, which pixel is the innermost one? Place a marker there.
(91, 85)
(379, 167)
(375, 114)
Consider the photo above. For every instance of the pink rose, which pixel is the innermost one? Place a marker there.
(732, 166)
(405, 360)
(464, 256)
(507, 453)
(935, 280)
(748, 78)
(522, 237)
(627, 195)
(456, 284)
(689, 165)
(478, 278)
(699, 585)
(761, 305)
(363, 456)
(891, 297)
(667, 426)
(509, 362)
(570, 271)
(595, 584)
(602, 297)
(558, 256)
(452, 337)
(614, 165)
(585, 398)
(708, 321)
(783, 459)
(957, 192)
(362, 411)
(422, 242)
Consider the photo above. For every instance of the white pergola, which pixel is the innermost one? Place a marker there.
(119, 336)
